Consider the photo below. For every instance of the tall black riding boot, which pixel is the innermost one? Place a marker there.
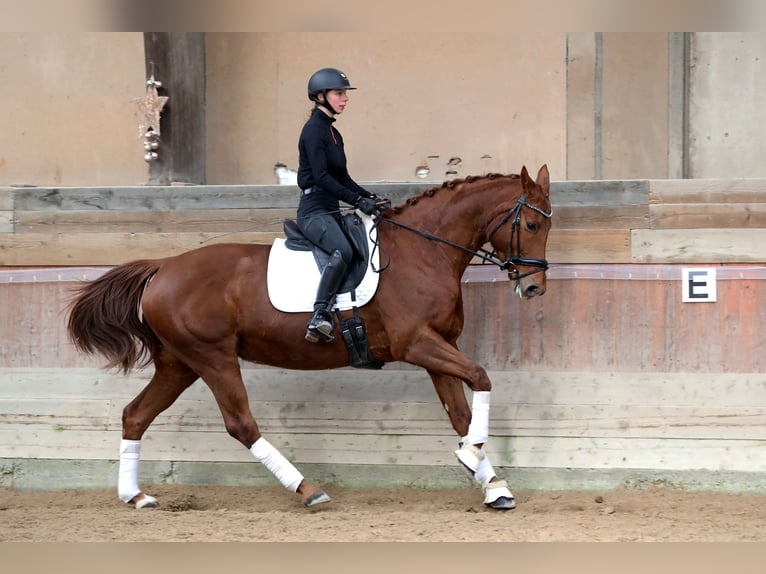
(321, 325)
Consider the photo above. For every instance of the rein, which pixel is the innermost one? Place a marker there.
(490, 257)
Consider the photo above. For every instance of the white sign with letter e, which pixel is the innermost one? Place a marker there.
(698, 285)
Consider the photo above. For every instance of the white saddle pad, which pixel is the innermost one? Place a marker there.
(293, 277)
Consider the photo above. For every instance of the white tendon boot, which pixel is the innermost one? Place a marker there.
(469, 455)
(127, 479)
(474, 460)
(496, 494)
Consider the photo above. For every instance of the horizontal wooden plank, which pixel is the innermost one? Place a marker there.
(110, 248)
(263, 219)
(76, 249)
(538, 452)
(546, 388)
(666, 191)
(600, 217)
(205, 221)
(627, 192)
(56, 414)
(698, 245)
(155, 198)
(207, 197)
(7, 195)
(589, 246)
(184, 198)
(6, 222)
(707, 215)
(418, 418)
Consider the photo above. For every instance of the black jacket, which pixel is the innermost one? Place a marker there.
(322, 167)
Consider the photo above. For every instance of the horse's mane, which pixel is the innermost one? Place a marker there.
(449, 184)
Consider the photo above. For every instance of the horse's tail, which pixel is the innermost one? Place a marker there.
(104, 317)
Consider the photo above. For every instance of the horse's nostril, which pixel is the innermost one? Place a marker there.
(532, 291)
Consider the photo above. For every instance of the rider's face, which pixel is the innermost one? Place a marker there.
(337, 99)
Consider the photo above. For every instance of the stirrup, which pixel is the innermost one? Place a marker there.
(320, 328)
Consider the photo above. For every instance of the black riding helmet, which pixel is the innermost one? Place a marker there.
(325, 80)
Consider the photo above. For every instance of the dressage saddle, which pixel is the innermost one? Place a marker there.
(354, 228)
(353, 329)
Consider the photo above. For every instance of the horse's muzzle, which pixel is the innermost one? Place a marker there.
(529, 284)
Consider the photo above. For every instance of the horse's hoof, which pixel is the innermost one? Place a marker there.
(147, 502)
(502, 503)
(497, 496)
(316, 498)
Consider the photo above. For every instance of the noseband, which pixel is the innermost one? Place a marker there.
(511, 261)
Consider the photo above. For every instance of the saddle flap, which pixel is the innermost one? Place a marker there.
(355, 230)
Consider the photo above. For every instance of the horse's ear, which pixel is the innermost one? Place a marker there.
(543, 177)
(525, 179)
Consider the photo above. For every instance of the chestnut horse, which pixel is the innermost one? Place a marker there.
(196, 314)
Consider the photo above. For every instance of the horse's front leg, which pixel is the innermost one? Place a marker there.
(448, 367)
(452, 396)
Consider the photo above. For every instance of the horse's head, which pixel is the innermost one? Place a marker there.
(521, 234)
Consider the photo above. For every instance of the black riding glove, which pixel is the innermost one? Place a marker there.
(383, 204)
(366, 205)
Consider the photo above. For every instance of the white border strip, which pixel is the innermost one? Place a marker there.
(51, 274)
(474, 273)
(622, 271)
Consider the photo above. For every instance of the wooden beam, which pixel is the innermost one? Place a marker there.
(213, 220)
(698, 245)
(707, 215)
(177, 59)
(668, 191)
(110, 248)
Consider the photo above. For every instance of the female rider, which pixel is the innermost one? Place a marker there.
(324, 180)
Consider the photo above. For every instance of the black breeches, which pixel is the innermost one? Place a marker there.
(325, 231)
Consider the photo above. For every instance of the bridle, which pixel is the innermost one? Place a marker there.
(511, 262)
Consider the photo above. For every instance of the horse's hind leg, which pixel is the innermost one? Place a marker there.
(225, 381)
(171, 378)
(451, 394)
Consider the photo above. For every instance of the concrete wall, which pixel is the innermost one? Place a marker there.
(726, 111)
(68, 112)
(617, 106)
(495, 101)
(591, 105)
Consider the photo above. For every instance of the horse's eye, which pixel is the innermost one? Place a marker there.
(532, 226)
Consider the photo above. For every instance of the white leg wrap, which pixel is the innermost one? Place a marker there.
(279, 466)
(485, 472)
(478, 430)
(127, 479)
(468, 454)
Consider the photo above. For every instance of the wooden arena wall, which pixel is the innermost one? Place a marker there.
(608, 380)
